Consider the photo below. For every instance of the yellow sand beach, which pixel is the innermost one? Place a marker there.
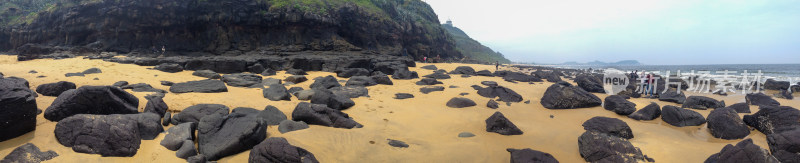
(424, 122)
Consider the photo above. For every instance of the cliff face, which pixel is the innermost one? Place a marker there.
(231, 27)
(472, 49)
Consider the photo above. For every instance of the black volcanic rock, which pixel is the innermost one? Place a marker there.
(276, 92)
(774, 119)
(334, 101)
(207, 74)
(428, 81)
(681, 117)
(156, 104)
(28, 153)
(241, 79)
(347, 73)
(277, 149)
(601, 147)
(724, 123)
(200, 86)
(772, 84)
(740, 107)
(563, 95)
(503, 93)
(271, 115)
(529, 155)
(401, 96)
(107, 135)
(224, 135)
(296, 72)
(318, 114)
(463, 70)
(92, 100)
(649, 112)
(611, 126)
(296, 79)
(196, 112)
(169, 67)
(619, 105)
(590, 83)
(498, 123)
(438, 75)
(326, 82)
(429, 89)
(405, 75)
(55, 89)
(429, 67)
(787, 143)
(492, 104)
(17, 108)
(361, 81)
(760, 99)
(142, 87)
(744, 151)
(702, 103)
(460, 102)
(673, 96)
(176, 135)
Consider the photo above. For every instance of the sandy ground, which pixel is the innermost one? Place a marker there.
(424, 122)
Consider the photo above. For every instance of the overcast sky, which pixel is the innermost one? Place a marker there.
(673, 32)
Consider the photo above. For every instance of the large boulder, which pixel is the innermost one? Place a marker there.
(381, 78)
(169, 67)
(326, 82)
(673, 96)
(276, 92)
(242, 79)
(296, 72)
(428, 81)
(702, 103)
(563, 95)
(772, 84)
(405, 75)
(744, 151)
(207, 74)
(361, 81)
(401, 96)
(760, 99)
(741, 107)
(517, 77)
(290, 125)
(176, 135)
(610, 126)
(107, 135)
(528, 155)
(619, 105)
(318, 114)
(590, 83)
(224, 135)
(503, 93)
(200, 86)
(28, 153)
(92, 100)
(350, 91)
(328, 98)
(156, 104)
(724, 123)
(602, 147)
(347, 73)
(498, 123)
(787, 143)
(142, 87)
(681, 117)
(438, 75)
(55, 89)
(649, 112)
(460, 102)
(463, 70)
(774, 119)
(429, 67)
(17, 108)
(277, 149)
(196, 112)
(271, 115)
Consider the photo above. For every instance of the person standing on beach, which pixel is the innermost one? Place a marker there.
(425, 59)
(650, 87)
(496, 65)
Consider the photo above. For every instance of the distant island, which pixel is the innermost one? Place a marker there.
(623, 62)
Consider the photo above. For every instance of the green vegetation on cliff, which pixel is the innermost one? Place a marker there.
(473, 49)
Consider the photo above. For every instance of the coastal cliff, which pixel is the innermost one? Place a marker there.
(223, 27)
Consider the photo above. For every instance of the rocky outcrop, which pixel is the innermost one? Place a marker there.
(619, 105)
(17, 108)
(318, 114)
(744, 151)
(196, 112)
(601, 147)
(611, 126)
(673, 96)
(563, 95)
(498, 123)
(28, 153)
(500, 92)
(760, 99)
(530, 155)
(224, 135)
(107, 135)
(785, 145)
(55, 89)
(649, 112)
(681, 117)
(702, 103)
(92, 100)
(774, 119)
(232, 27)
(200, 86)
(724, 123)
(460, 102)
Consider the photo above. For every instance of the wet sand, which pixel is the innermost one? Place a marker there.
(424, 122)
